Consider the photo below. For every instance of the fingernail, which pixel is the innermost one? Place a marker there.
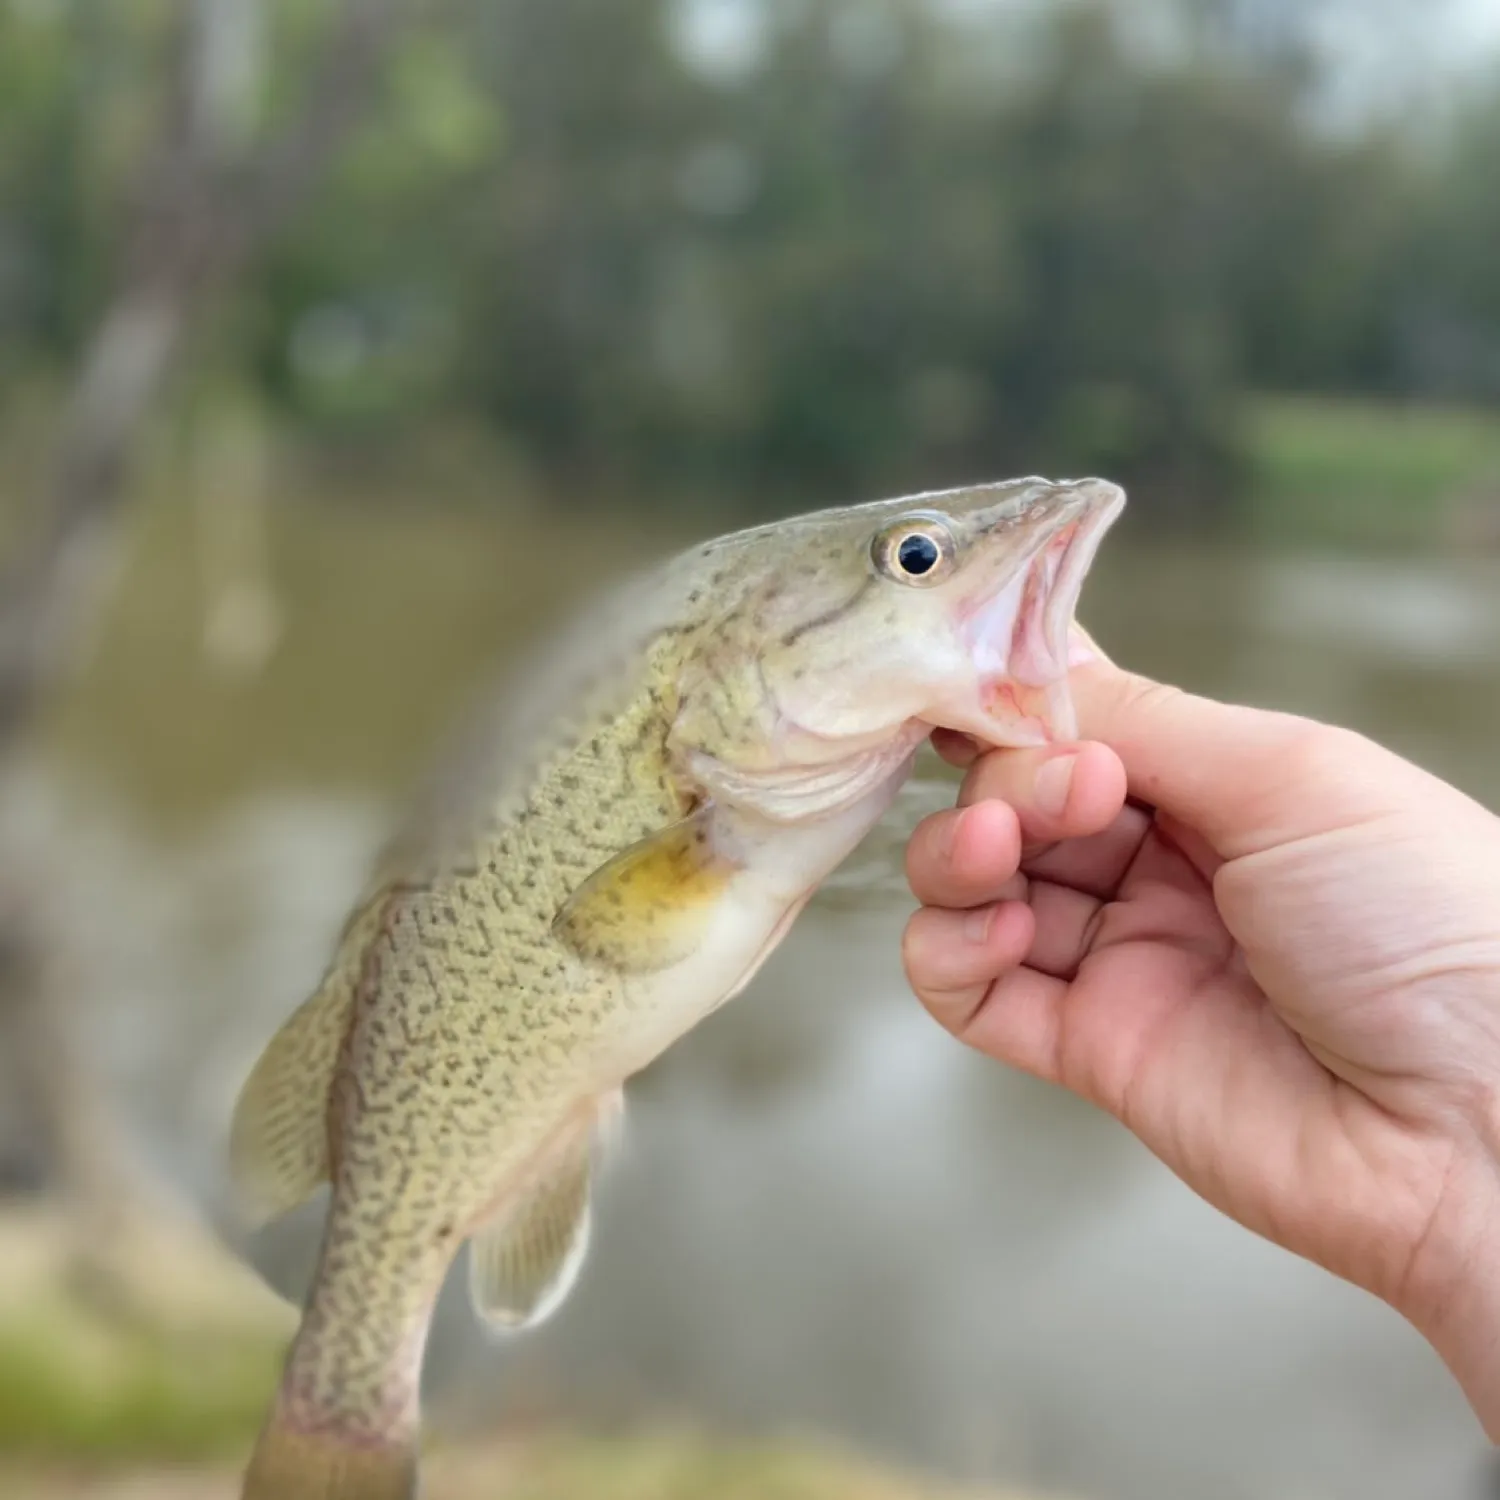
(1054, 779)
(977, 924)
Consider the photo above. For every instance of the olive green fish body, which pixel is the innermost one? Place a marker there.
(630, 835)
(476, 1037)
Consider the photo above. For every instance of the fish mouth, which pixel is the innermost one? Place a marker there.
(1018, 635)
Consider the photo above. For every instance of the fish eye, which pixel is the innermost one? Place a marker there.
(917, 550)
(917, 554)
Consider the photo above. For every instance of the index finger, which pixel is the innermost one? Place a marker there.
(1245, 779)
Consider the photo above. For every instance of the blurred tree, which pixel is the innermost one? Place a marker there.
(764, 252)
(1450, 300)
(210, 193)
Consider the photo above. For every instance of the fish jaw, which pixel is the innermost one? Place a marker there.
(1017, 635)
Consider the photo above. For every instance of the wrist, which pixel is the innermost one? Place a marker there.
(1452, 1294)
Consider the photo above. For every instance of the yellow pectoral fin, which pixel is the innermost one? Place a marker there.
(648, 907)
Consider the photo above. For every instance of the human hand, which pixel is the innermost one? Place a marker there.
(1278, 964)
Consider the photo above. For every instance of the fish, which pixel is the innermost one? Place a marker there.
(628, 832)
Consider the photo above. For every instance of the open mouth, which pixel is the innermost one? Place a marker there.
(1019, 635)
(1054, 581)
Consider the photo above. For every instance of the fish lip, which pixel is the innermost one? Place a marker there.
(1019, 632)
(1060, 572)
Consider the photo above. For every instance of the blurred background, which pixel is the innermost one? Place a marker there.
(346, 344)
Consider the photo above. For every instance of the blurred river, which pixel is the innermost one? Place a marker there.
(828, 1215)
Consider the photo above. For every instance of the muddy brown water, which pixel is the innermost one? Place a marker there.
(828, 1215)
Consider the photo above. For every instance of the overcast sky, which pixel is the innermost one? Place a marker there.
(1477, 21)
(1385, 56)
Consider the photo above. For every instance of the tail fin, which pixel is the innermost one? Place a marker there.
(288, 1464)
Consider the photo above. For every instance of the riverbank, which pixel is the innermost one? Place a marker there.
(154, 1389)
(656, 1466)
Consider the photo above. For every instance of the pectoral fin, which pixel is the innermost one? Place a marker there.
(523, 1264)
(649, 906)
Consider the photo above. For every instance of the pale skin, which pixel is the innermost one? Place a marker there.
(1271, 948)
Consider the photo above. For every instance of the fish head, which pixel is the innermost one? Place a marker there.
(951, 609)
(827, 647)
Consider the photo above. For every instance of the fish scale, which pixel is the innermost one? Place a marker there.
(622, 842)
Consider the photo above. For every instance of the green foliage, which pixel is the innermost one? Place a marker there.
(879, 248)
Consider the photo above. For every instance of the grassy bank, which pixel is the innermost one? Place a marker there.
(1368, 474)
(660, 1465)
(158, 1389)
(148, 1342)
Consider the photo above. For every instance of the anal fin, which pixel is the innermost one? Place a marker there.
(526, 1260)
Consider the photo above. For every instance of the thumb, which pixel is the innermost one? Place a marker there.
(1246, 779)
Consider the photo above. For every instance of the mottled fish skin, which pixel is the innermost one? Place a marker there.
(741, 716)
